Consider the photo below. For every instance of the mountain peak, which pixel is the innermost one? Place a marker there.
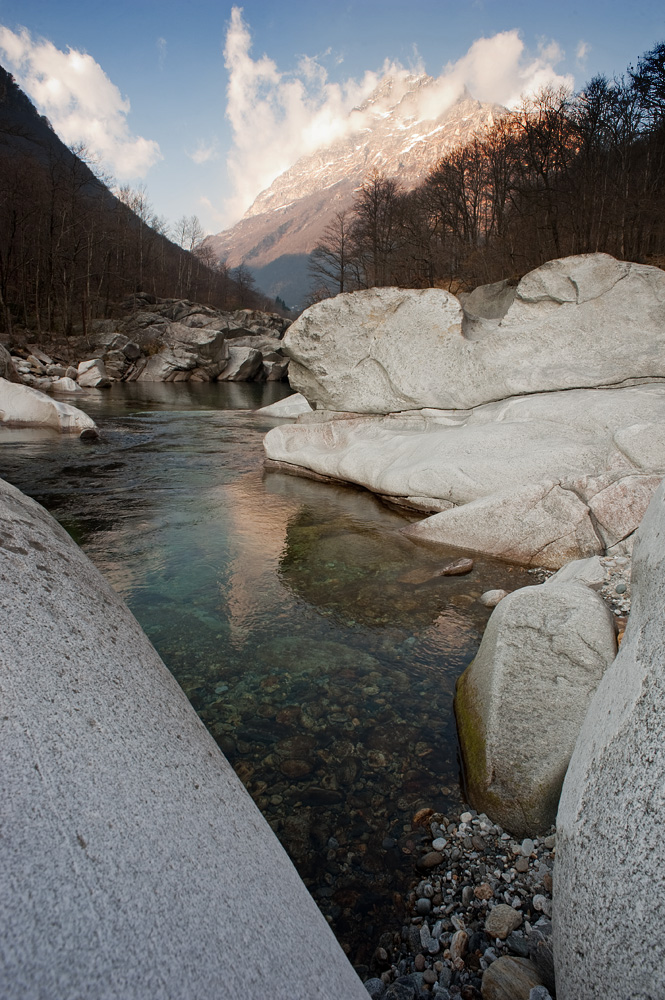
(401, 130)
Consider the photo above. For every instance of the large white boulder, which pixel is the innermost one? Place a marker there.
(609, 907)
(182, 350)
(543, 478)
(65, 384)
(581, 321)
(521, 702)
(243, 363)
(21, 406)
(134, 864)
(291, 406)
(92, 374)
(543, 524)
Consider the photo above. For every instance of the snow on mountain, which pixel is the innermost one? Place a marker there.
(388, 133)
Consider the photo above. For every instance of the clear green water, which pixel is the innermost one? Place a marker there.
(277, 604)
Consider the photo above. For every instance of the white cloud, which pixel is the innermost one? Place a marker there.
(162, 46)
(278, 117)
(500, 70)
(582, 51)
(204, 152)
(83, 105)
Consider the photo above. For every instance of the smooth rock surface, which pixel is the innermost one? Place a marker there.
(540, 525)
(521, 702)
(134, 864)
(22, 406)
(610, 845)
(290, 406)
(535, 465)
(582, 321)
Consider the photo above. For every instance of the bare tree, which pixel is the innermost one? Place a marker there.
(333, 259)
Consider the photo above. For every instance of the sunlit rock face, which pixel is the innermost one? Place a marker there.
(532, 420)
(397, 131)
(587, 321)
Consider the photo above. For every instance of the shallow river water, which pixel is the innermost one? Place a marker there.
(277, 602)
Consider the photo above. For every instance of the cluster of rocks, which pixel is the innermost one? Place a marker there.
(166, 340)
(478, 921)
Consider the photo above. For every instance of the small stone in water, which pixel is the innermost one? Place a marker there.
(457, 568)
(430, 860)
(492, 597)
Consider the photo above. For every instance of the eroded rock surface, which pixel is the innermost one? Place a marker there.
(538, 479)
(22, 406)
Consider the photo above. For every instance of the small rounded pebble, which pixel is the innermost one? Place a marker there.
(492, 597)
(527, 847)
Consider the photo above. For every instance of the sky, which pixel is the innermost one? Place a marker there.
(205, 103)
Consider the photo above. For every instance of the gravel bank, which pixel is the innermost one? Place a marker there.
(482, 898)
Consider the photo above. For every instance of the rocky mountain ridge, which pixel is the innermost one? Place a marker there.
(395, 132)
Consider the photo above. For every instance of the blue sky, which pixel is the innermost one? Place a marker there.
(146, 84)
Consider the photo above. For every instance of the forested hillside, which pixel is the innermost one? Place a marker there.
(563, 174)
(70, 248)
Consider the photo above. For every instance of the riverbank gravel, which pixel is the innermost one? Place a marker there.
(481, 898)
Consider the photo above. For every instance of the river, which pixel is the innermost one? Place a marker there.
(279, 604)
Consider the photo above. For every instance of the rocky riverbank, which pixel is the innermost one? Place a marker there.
(157, 340)
(477, 923)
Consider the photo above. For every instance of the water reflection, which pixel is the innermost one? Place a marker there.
(281, 607)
